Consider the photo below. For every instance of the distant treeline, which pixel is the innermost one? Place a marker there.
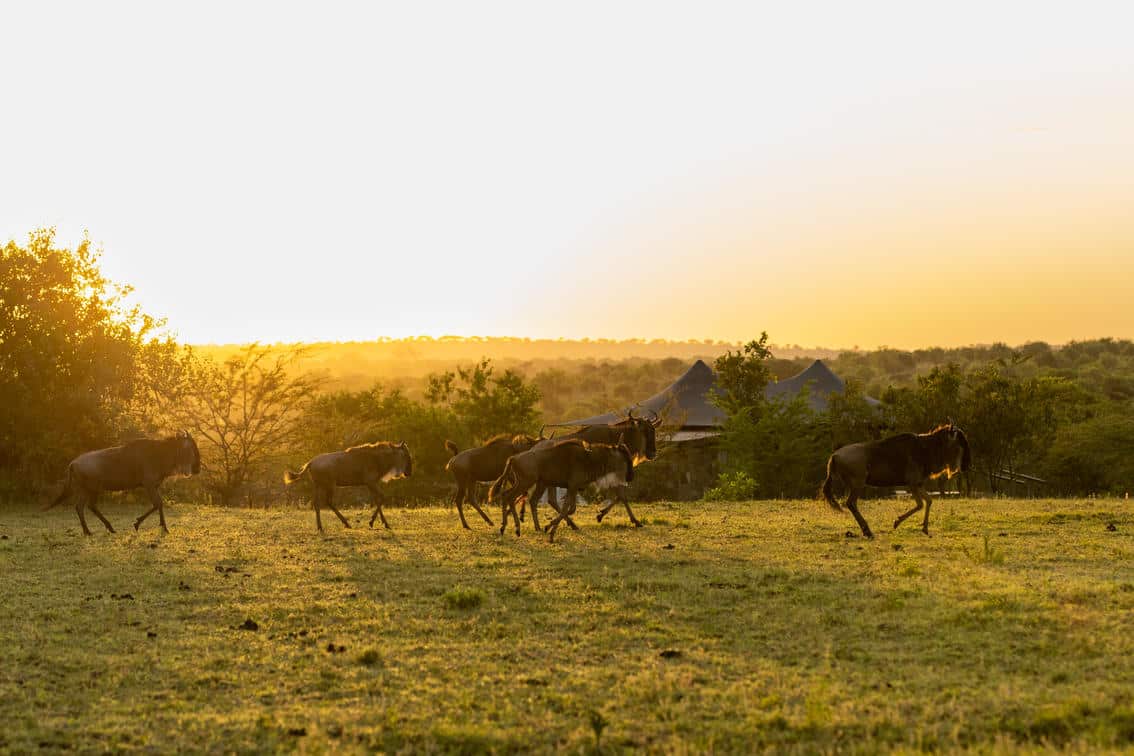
(81, 369)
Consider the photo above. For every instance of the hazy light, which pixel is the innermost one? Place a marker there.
(834, 173)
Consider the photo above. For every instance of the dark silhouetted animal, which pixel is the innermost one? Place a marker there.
(572, 463)
(363, 465)
(637, 433)
(482, 464)
(904, 460)
(144, 463)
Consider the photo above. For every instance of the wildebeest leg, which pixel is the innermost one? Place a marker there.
(98, 514)
(460, 502)
(331, 504)
(480, 512)
(565, 512)
(79, 503)
(917, 497)
(138, 522)
(625, 501)
(156, 501)
(377, 496)
(925, 522)
(534, 498)
(852, 505)
(315, 503)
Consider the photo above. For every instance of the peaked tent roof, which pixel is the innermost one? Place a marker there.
(687, 398)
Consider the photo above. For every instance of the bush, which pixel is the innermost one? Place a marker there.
(733, 486)
(463, 598)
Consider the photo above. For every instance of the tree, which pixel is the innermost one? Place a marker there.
(74, 357)
(246, 410)
(484, 403)
(742, 377)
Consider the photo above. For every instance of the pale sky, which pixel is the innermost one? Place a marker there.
(837, 174)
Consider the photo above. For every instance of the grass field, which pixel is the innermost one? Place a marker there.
(717, 627)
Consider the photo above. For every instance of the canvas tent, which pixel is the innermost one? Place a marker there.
(686, 400)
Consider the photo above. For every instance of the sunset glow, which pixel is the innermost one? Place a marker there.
(835, 176)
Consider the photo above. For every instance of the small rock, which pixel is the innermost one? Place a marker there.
(151, 634)
(897, 547)
(297, 732)
(670, 653)
(333, 649)
(3, 538)
(249, 624)
(1111, 527)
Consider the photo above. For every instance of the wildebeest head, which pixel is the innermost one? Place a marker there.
(188, 457)
(640, 436)
(959, 447)
(405, 460)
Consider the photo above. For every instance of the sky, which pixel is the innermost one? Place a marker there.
(837, 174)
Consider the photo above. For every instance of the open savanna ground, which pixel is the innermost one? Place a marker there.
(717, 627)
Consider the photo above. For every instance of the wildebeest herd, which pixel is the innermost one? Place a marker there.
(521, 468)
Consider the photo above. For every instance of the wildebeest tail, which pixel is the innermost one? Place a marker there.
(827, 494)
(498, 484)
(62, 495)
(290, 477)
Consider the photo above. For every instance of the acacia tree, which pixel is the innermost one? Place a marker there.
(246, 411)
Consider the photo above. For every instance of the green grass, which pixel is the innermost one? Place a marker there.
(726, 627)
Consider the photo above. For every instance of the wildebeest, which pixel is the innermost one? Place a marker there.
(362, 465)
(482, 464)
(143, 463)
(637, 433)
(903, 460)
(572, 463)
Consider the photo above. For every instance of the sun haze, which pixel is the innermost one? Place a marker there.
(835, 174)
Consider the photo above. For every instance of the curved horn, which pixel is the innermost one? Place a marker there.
(541, 430)
(656, 419)
(630, 413)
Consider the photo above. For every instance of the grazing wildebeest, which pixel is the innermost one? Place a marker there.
(482, 464)
(637, 433)
(362, 465)
(144, 463)
(903, 460)
(572, 463)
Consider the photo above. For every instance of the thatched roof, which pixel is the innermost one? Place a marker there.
(686, 400)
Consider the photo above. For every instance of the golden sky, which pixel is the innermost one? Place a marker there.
(836, 174)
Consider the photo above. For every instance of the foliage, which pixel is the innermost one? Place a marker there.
(733, 486)
(783, 450)
(245, 412)
(484, 403)
(1094, 456)
(742, 377)
(75, 357)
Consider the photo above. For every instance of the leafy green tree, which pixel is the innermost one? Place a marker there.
(742, 377)
(849, 418)
(484, 403)
(75, 357)
(1094, 456)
